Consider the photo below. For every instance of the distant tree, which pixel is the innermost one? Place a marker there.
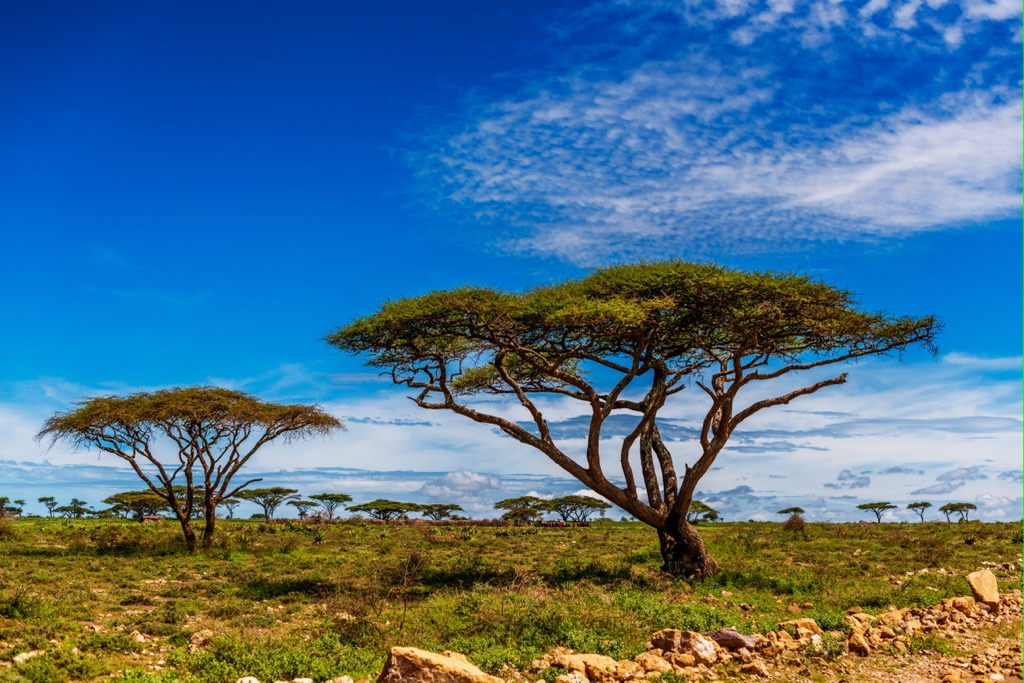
(576, 508)
(628, 340)
(331, 501)
(19, 506)
(137, 504)
(439, 511)
(230, 504)
(74, 510)
(877, 508)
(919, 508)
(791, 511)
(50, 502)
(962, 509)
(522, 508)
(303, 506)
(214, 433)
(699, 512)
(6, 510)
(386, 510)
(269, 498)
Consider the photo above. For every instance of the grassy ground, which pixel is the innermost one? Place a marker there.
(287, 600)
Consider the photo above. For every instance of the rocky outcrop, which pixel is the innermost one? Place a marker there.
(412, 665)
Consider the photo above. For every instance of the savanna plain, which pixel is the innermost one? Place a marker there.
(119, 599)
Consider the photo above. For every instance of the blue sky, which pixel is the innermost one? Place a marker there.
(196, 194)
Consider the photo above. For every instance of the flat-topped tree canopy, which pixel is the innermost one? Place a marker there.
(210, 433)
(628, 338)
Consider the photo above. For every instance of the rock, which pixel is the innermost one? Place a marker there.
(805, 628)
(412, 665)
(137, 637)
(983, 586)
(793, 609)
(670, 640)
(199, 640)
(964, 605)
(756, 667)
(572, 677)
(248, 679)
(680, 659)
(652, 663)
(595, 667)
(302, 680)
(730, 639)
(342, 679)
(858, 645)
(627, 671)
(23, 657)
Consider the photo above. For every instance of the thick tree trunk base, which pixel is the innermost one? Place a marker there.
(685, 554)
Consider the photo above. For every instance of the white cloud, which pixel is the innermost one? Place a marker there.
(715, 149)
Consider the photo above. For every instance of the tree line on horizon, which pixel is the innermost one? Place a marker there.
(523, 509)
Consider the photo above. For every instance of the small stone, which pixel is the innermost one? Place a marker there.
(793, 609)
(858, 645)
(248, 679)
(302, 680)
(757, 667)
(572, 677)
(137, 637)
(199, 640)
(23, 657)
(652, 663)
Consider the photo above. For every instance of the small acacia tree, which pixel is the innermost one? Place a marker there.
(331, 501)
(50, 502)
(269, 499)
(522, 508)
(877, 508)
(919, 508)
(386, 510)
(197, 438)
(962, 509)
(628, 340)
(701, 512)
(439, 511)
(302, 507)
(138, 504)
(576, 508)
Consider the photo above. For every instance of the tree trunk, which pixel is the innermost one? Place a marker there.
(189, 533)
(211, 523)
(684, 552)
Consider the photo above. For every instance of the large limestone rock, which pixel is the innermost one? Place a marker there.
(983, 586)
(412, 665)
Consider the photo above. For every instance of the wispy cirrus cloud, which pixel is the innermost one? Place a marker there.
(779, 122)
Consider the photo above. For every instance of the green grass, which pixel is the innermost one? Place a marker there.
(287, 600)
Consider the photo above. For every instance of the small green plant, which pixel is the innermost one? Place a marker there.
(830, 647)
(552, 672)
(932, 644)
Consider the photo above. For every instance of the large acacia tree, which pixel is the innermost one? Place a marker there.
(186, 444)
(630, 339)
